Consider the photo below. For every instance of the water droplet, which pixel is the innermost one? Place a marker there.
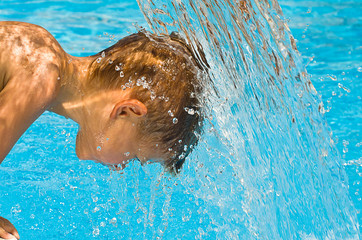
(252, 27)
(113, 220)
(99, 148)
(16, 209)
(96, 231)
(185, 148)
(153, 96)
(126, 154)
(166, 99)
(110, 61)
(103, 54)
(156, 144)
(58, 78)
(170, 113)
(170, 149)
(138, 83)
(99, 60)
(121, 74)
(175, 121)
(180, 141)
(359, 69)
(344, 88)
(117, 68)
(332, 77)
(191, 111)
(192, 95)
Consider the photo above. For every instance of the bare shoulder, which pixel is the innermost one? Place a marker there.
(31, 35)
(31, 60)
(29, 52)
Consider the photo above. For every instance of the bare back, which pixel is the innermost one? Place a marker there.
(31, 60)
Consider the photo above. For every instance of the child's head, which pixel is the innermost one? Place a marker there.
(162, 74)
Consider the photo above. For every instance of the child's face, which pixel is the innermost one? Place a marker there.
(114, 144)
(108, 130)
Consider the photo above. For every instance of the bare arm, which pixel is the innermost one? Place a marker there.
(22, 101)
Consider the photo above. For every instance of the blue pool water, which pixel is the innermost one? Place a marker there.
(47, 192)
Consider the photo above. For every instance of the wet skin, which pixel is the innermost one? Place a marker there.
(36, 75)
(29, 67)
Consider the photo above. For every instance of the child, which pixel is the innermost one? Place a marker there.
(135, 99)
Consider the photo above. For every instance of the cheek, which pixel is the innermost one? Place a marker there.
(117, 144)
(113, 155)
(114, 151)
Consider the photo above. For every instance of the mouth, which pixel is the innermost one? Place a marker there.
(111, 166)
(115, 167)
(119, 166)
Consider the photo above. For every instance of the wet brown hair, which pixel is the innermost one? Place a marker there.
(163, 74)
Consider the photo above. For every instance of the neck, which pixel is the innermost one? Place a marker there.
(73, 79)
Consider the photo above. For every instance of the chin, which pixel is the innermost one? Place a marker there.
(80, 150)
(108, 161)
(80, 154)
(111, 159)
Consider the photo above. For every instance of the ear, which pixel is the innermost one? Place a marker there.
(128, 108)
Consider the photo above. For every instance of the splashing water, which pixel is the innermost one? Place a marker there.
(266, 166)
